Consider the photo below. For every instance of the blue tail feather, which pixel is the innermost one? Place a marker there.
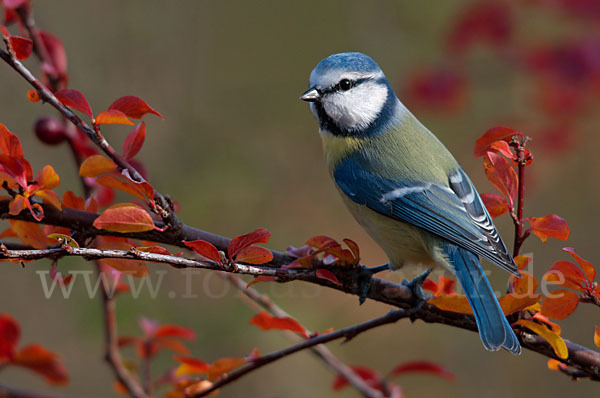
(494, 329)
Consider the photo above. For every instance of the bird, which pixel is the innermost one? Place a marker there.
(405, 188)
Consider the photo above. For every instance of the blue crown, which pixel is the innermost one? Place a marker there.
(349, 61)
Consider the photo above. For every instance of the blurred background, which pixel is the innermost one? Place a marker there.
(238, 150)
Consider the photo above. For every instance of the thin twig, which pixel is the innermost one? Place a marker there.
(112, 354)
(320, 351)
(346, 333)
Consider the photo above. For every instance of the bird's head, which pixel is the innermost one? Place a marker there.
(350, 95)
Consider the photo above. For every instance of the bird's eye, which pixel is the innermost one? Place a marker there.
(345, 84)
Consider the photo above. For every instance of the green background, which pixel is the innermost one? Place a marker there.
(238, 150)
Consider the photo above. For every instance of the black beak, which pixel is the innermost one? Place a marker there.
(311, 95)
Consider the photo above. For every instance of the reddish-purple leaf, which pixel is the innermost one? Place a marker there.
(495, 204)
(21, 46)
(74, 99)
(254, 255)
(327, 275)
(205, 249)
(259, 235)
(134, 107)
(57, 53)
(134, 141)
(422, 367)
(492, 135)
(501, 174)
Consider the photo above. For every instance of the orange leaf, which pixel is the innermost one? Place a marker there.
(17, 205)
(555, 327)
(492, 135)
(254, 255)
(37, 358)
(322, 242)
(96, 165)
(171, 330)
(134, 107)
(562, 303)
(135, 268)
(154, 249)
(495, 204)
(422, 367)
(49, 197)
(511, 303)
(72, 201)
(224, 365)
(527, 284)
(134, 141)
(205, 249)
(586, 266)
(261, 278)
(557, 343)
(74, 99)
(553, 364)
(47, 178)
(522, 261)
(566, 274)
(452, 302)
(128, 186)
(21, 46)
(501, 174)
(597, 336)
(30, 233)
(259, 235)
(124, 217)
(267, 322)
(9, 336)
(190, 366)
(549, 226)
(112, 116)
(173, 345)
(328, 276)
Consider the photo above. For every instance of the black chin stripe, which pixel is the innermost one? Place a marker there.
(326, 123)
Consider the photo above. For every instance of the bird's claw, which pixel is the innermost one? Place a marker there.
(416, 286)
(365, 275)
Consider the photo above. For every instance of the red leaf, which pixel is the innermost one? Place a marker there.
(495, 204)
(261, 278)
(267, 322)
(503, 148)
(112, 116)
(492, 135)
(586, 266)
(367, 374)
(549, 226)
(205, 249)
(9, 336)
(322, 242)
(562, 303)
(422, 367)
(9, 143)
(21, 46)
(37, 358)
(254, 255)
(444, 286)
(154, 249)
(190, 366)
(134, 141)
(125, 217)
(57, 54)
(259, 235)
(171, 330)
(566, 274)
(353, 248)
(74, 99)
(70, 200)
(501, 174)
(134, 107)
(327, 275)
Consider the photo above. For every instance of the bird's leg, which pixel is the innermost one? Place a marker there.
(364, 279)
(416, 286)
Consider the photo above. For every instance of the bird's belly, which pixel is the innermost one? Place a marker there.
(404, 244)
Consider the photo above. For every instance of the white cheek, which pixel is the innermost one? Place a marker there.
(358, 107)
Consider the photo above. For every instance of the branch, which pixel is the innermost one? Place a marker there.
(321, 351)
(581, 358)
(347, 333)
(112, 354)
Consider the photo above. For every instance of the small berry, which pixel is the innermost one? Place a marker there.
(49, 130)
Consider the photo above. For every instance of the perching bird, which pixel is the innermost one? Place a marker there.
(404, 187)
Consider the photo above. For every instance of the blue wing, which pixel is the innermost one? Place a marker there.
(453, 212)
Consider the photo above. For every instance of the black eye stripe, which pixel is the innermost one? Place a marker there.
(336, 88)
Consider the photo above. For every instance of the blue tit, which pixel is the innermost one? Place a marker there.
(404, 187)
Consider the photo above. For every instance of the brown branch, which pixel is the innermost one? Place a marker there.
(112, 353)
(347, 333)
(163, 207)
(321, 351)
